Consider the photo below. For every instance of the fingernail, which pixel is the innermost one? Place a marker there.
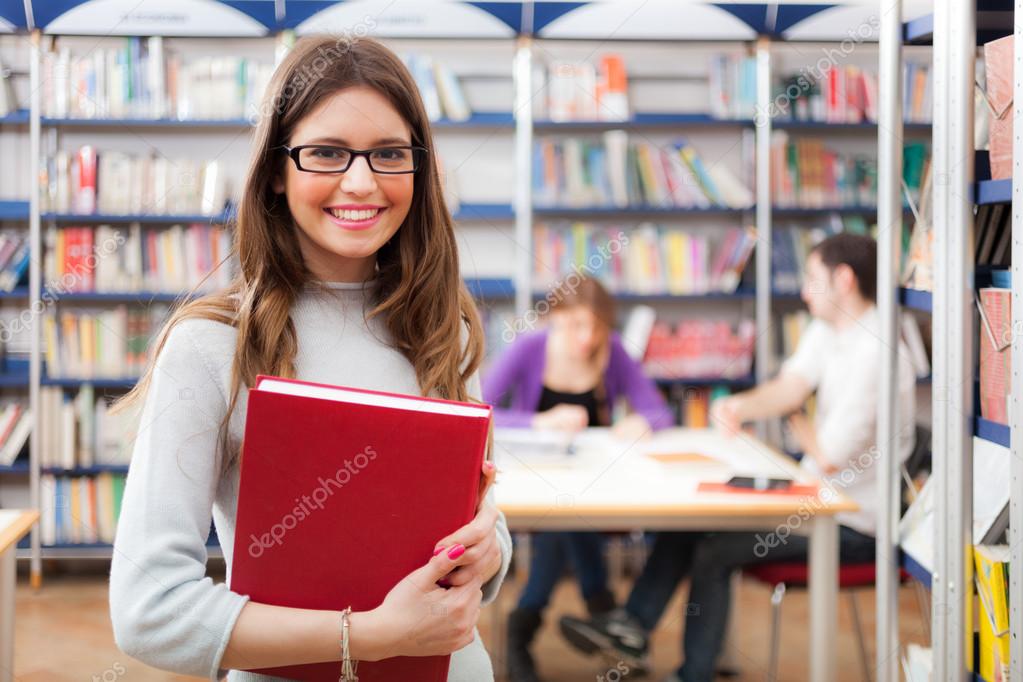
(456, 551)
(438, 550)
(488, 466)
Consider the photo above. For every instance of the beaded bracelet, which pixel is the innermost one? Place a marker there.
(348, 666)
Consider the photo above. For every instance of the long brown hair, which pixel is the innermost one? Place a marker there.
(419, 291)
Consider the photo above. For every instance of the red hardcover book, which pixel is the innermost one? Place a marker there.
(995, 353)
(343, 493)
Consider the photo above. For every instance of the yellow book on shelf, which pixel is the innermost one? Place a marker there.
(76, 506)
(675, 264)
(992, 576)
(88, 347)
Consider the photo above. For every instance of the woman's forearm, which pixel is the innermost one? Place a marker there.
(266, 636)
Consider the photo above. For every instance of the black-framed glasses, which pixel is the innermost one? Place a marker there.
(320, 158)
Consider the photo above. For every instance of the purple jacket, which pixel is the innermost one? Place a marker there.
(520, 370)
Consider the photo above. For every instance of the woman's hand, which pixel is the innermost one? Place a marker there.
(418, 618)
(562, 417)
(482, 558)
(632, 427)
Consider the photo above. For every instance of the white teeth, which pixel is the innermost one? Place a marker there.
(345, 214)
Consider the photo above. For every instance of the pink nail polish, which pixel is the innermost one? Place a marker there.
(488, 466)
(456, 551)
(438, 551)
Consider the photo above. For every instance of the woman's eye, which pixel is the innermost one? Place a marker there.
(326, 153)
(390, 154)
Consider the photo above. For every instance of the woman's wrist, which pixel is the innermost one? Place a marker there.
(368, 636)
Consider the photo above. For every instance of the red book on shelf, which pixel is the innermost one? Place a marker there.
(85, 193)
(343, 493)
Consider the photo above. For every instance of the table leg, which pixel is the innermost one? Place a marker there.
(823, 571)
(8, 576)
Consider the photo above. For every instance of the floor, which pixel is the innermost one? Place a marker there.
(63, 633)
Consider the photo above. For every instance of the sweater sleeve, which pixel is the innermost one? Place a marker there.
(493, 586)
(165, 611)
(639, 390)
(504, 378)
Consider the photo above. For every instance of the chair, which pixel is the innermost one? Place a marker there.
(852, 577)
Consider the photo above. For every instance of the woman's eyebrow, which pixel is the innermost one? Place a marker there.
(342, 143)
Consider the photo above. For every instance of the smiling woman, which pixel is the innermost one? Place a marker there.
(349, 275)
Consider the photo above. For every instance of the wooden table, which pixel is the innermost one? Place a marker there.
(14, 525)
(624, 486)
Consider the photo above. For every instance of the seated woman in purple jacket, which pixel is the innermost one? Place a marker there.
(566, 377)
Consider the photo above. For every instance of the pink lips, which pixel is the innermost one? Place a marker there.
(355, 225)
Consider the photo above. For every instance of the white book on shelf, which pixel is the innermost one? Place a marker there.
(735, 194)
(450, 91)
(637, 329)
(48, 513)
(85, 415)
(67, 434)
(616, 148)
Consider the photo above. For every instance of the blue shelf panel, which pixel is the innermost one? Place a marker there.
(793, 211)
(88, 471)
(738, 382)
(615, 212)
(741, 295)
(19, 117)
(993, 191)
(232, 123)
(919, 31)
(137, 218)
(140, 296)
(490, 287)
(482, 119)
(74, 382)
(641, 120)
(991, 431)
(825, 125)
(13, 210)
(14, 379)
(916, 299)
(918, 572)
(483, 212)
(18, 468)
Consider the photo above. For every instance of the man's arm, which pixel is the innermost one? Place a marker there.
(776, 397)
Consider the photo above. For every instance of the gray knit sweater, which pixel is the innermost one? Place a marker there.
(165, 611)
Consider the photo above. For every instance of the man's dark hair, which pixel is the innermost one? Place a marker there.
(857, 251)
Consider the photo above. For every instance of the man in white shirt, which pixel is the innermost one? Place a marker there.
(838, 359)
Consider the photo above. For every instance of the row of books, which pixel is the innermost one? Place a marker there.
(14, 259)
(80, 431)
(80, 509)
(619, 172)
(116, 259)
(808, 174)
(88, 181)
(648, 259)
(15, 427)
(917, 270)
(700, 348)
(108, 344)
(790, 247)
(440, 89)
(836, 94)
(143, 79)
(792, 327)
(993, 235)
(991, 566)
(583, 91)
